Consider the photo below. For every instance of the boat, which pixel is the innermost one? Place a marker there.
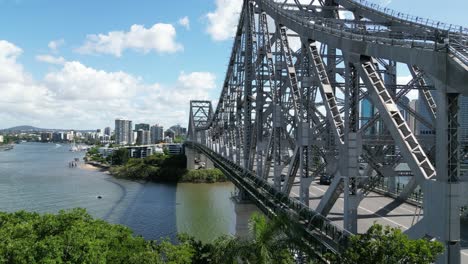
(74, 148)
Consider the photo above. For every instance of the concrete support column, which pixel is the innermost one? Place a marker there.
(190, 154)
(442, 196)
(351, 198)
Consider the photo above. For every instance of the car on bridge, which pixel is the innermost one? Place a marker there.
(325, 179)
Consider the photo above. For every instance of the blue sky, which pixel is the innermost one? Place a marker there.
(81, 64)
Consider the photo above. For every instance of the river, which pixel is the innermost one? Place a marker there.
(36, 177)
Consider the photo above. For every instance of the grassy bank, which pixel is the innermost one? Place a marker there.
(203, 176)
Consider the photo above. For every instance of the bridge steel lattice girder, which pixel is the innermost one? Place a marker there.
(439, 64)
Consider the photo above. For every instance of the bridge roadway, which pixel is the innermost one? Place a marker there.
(376, 208)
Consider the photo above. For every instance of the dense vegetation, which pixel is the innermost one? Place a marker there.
(71, 237)
(75, 237)
(205, 175)
(157, 167)
(389, 245)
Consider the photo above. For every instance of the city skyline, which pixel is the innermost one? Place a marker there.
(82, 72)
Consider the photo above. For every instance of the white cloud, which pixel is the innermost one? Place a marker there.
(55, 44)
(79, 96)
(160, 38)
(75, 81)
(185, 22)
(22, 98)
(50, 59)
(222, 23)
(11, 70)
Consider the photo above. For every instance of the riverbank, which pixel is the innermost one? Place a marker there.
(157, 174)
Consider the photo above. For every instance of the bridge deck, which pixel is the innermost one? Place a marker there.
(377, 208)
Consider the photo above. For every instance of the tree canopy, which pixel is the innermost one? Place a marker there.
(389, 245)
(73, 236)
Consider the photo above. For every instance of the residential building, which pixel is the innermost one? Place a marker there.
(107, 131)
(174, 149)
(46, 136)
(140, 152)
(157, 134)
(57, 137)
(105, 151)
(123, 132)
(143, 137)
(178, 130)
(145, 127)
(169, 133)
(1, 138)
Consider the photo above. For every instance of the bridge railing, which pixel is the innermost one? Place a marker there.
(384, 186)
(318, 227)
(336, 28)
(411, 18)
(354, 31)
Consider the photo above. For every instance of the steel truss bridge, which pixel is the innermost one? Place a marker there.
(311, 89)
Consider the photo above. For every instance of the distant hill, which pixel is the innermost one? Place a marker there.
(35, 129)
(23, 128)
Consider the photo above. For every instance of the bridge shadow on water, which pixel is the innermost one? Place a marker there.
(149, 210)
(152, 213)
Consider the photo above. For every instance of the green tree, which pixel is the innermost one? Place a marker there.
(70, 237)
(270, 242)
(179, 139)
(389, 245)
(93, 151)
(120, 156)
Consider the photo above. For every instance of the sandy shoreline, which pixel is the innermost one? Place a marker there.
(86, 166)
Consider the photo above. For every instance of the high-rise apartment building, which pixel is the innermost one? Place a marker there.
(123, 132)
(145, 127)
(157, 134)
(178, 130)
(107, 131)
(143, 137)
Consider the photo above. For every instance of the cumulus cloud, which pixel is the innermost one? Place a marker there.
(22, 98)
(222, 23)
(160, 38)
(55, 44)
(75, 95)
(50, 59)
(185, 22)
(75, 81)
